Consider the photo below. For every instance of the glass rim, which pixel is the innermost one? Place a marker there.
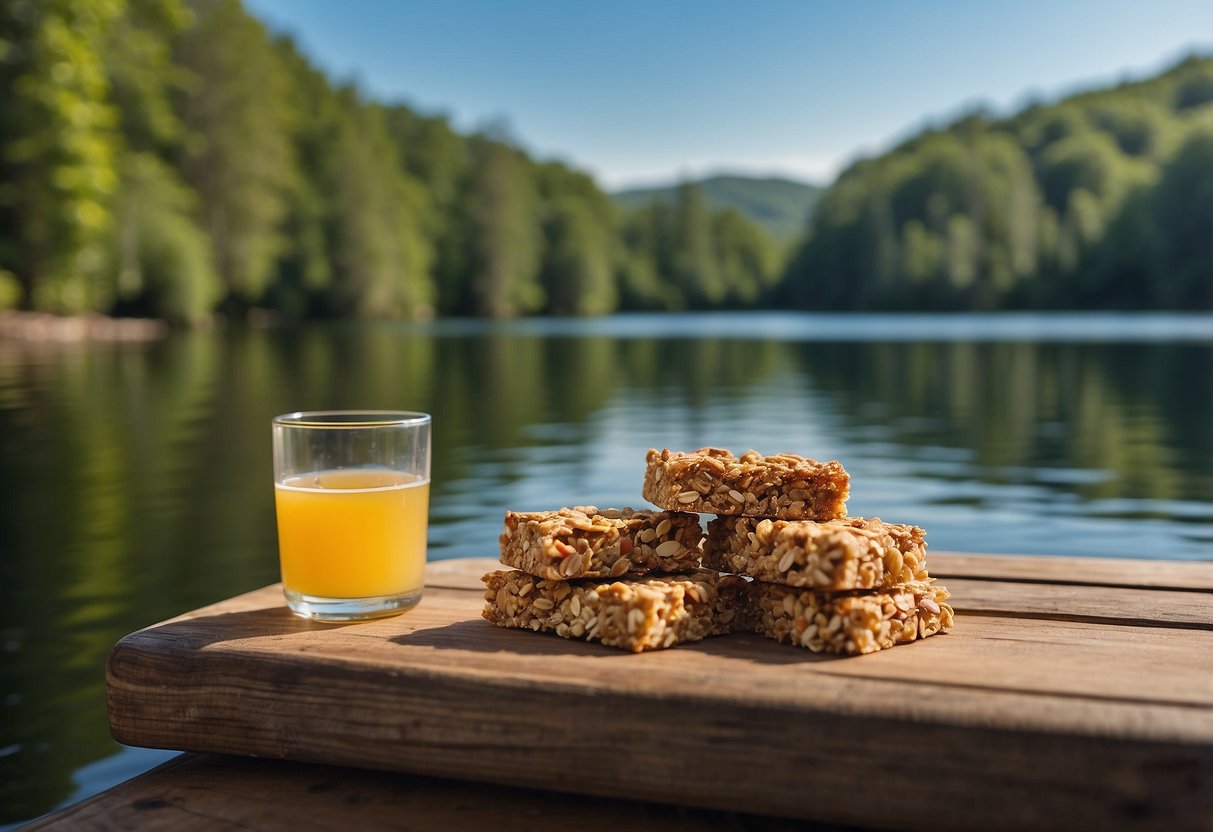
(339, 419)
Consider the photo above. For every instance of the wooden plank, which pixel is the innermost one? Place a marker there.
(1040, 717)
(1159, 574)
(446, 635)
(1093, 604)
(218, 792)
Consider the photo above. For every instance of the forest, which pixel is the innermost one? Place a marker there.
(1103, 200)
(176, 159)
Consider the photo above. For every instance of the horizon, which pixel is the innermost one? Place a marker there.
(554, 83)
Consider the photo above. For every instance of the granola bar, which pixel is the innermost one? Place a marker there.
(587, 542)
(853, 553)
(848, 623)
(633, 614)
(713, 481)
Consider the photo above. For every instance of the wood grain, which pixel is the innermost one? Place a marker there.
(1049, 706)
(219, 792)
(1159, 574)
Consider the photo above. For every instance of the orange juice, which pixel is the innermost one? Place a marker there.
(352, 533)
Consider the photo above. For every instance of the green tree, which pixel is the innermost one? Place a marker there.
(696, 271)
(440, 159)
(504, 230)
(1183, 212)
(1090, 161)
(429, 149)
(683, 255)
(304, 272)
(237, 153)
(58, 149)
(1193, 88)
(922, 254)
(746, 256)
(1078, 203)
(648, 244)
(1119, 272)
(165, 270)
(143, 79)
(578, 273)
(381, 254)
(962, 252)
(161, 258)
(581, 249)
(1139, 126)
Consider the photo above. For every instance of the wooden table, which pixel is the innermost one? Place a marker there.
(208, 792)
(1073, 693)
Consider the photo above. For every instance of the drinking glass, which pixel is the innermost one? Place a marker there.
(352, 492)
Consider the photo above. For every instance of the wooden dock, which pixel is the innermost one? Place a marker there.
(1072, 694)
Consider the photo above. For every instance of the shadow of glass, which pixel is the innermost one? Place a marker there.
(202, 631)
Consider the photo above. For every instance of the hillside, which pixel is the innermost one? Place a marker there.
(263, 184)
(782, 207)
(1100, 200)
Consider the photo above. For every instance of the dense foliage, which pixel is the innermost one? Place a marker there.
(779, 206)
(172, 158)
(1104, 199)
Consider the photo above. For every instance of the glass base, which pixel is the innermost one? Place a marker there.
(350, 609)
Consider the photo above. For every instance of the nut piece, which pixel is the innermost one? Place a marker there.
(587, 542)
(668, 549)
(713, 481)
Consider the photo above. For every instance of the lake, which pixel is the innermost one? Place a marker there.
(138, 478)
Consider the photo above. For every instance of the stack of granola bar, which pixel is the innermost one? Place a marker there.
(821, 580)
(643, 580)
(629, 579)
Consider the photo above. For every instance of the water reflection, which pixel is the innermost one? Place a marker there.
(137, 476)
(1129, 420)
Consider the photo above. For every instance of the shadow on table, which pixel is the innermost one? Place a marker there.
(201, 631)
(480, 636)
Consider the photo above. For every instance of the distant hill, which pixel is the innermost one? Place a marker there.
(1103, 199)
(781, 206)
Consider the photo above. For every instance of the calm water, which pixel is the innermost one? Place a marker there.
(137, 478)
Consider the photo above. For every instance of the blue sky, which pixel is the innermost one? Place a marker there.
(639, 92)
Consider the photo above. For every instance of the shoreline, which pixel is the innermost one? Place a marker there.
(46, 327)
(798, 325)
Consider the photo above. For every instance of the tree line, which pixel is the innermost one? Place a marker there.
(173, 158)
(1103, 200)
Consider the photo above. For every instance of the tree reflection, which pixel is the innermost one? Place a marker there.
(141, 479)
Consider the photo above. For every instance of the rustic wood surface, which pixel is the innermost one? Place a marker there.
(219, 792)
(1076, 696)
(1159, 574)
